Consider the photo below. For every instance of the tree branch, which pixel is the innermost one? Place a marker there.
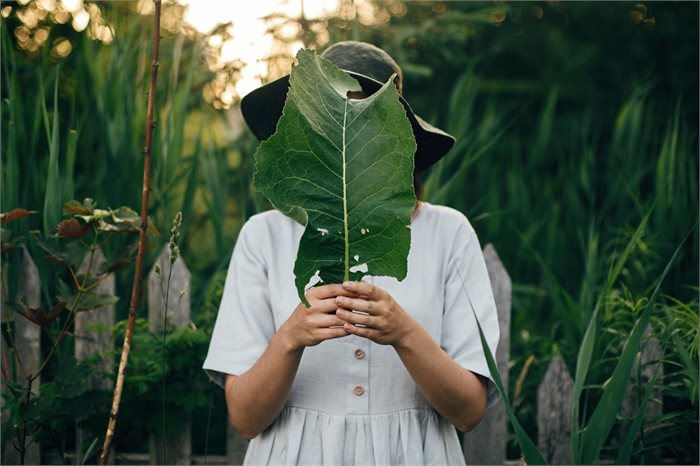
(136, 286)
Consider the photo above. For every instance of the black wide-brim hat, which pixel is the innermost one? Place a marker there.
(371, 67)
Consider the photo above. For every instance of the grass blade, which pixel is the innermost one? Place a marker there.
(90, 450)
(530, 452)
(52, 198)
(71, 146)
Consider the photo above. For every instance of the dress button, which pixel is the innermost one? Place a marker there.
(359, 354)
(359, 391)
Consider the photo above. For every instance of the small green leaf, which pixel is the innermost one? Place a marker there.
(126, 215)
(74, 207)
(89, 204)
(343, 168)
(91, 300)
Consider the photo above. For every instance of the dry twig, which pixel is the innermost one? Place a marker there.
(136, 286)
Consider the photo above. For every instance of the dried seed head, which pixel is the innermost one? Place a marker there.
(174, 236)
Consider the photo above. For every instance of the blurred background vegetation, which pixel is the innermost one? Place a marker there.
(574, 120)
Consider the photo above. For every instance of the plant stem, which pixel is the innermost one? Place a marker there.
(165, 356)
(73, 309)
(136, 285)
(23, 443)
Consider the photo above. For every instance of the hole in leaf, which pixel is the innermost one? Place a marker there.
(359, 268)
(356, 95)
(314, 280)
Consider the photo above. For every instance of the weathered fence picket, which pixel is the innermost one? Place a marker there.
(178, 446)
(650, 365)
(486, 444)
(236, 446)
(27, 342)
(93, 335)
(554, 402)
(179, 312)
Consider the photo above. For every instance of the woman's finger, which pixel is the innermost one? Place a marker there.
(327, 320)
(373, 292)
(326, 291)
(354, 317)
(364, 332)
(324, 306)
(357, 304)
(330, 333)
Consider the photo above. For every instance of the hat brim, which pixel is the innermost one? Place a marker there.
(262, 109)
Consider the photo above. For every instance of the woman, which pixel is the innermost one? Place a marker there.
(325, 385)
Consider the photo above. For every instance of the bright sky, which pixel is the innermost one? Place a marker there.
(250, 43)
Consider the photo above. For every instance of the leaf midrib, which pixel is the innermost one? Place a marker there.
(346, 265)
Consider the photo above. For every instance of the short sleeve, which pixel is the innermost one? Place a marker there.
(468, 286)
(244, 324)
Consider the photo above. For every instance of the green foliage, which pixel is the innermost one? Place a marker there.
(188, 387)
(343, 168)
(61, 400)
(71, 246)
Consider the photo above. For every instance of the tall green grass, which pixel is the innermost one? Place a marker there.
(74, 128)
(558, 192)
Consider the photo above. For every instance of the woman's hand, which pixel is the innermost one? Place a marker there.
(310, 326)
(380, 318)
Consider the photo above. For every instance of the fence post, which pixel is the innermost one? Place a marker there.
(650, 364)
(93, 335)
(27, 340)
(486, 444)
(179, 446)
(554, 402)
(236, 445)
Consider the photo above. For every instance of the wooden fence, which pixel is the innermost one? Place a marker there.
(486, 444)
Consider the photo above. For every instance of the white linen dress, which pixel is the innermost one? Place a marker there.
(353, 401)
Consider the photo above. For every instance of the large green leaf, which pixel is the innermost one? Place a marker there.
(343, 168)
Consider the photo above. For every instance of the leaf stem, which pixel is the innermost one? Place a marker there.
(346, 273)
